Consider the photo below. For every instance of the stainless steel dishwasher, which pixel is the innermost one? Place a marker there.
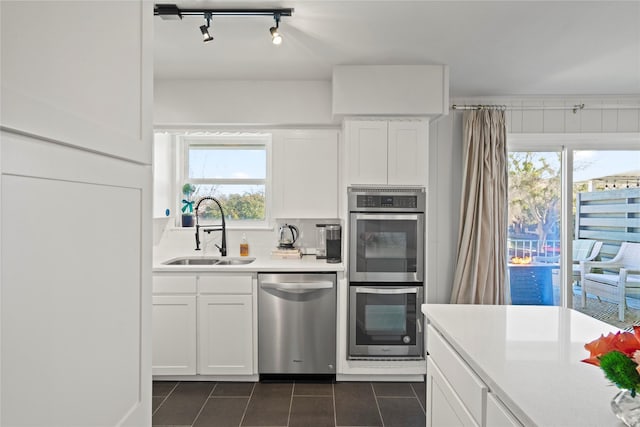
(297, 323)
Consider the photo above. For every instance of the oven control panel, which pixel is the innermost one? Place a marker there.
(385, 201)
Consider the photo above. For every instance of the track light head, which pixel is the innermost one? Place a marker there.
(204, 29)
(206, 37)
(276, 37)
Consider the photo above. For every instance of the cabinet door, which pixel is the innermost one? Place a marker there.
(305, 174)
(174, 335)
(367, 151)
(225, 335)
(408, 151)
(444, 407)
(498, 415)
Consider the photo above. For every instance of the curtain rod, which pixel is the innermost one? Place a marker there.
(575, 108)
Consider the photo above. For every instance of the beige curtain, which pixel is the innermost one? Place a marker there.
(481, 268)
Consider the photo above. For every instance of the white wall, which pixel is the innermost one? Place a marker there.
(446, 157)
(206, 102)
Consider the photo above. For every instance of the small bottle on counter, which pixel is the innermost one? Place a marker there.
(244, 246)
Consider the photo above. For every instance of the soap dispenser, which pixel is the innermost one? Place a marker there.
(244, 246)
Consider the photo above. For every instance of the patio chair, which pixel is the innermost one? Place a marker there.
(615, 279)
(585, 252)
(582, 250)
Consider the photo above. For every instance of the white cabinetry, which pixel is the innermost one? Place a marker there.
(498, 415)
(225, 325)
(455, 394)
(74, 222)
(444, 407)
(305, 174)
(390, 152)
(204, 324)
(174, 325)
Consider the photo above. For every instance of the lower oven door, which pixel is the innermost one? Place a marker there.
(384, 321)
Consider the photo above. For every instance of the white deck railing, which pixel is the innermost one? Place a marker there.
(530, 248)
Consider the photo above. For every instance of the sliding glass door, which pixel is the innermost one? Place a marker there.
(605, 214)
(571, 200)
(534, 242)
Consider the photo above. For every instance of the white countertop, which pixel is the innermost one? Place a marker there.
(530, 357)
(307, 263)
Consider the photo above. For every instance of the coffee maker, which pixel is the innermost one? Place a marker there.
(333, 234)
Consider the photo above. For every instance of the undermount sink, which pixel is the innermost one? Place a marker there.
(235, 261)
(209, 261)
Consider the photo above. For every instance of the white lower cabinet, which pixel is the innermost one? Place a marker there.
(498, 415)
(456, 396)
(174, 335)
(444, 407)
(203, 324)
(225, 338)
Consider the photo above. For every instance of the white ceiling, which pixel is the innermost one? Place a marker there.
(492, 48)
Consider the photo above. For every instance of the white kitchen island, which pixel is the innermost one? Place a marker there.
(514, 365)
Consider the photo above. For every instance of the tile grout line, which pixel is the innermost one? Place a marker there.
(335, 412)
(293, 387)
(244, 413)
(165, 398)
(204, 404)
(375, 397)
(418, 397)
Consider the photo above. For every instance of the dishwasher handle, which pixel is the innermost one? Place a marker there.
(297, 287)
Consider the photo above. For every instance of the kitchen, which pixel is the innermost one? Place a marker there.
(119, 125)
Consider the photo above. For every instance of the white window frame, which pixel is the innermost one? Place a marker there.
(232, 139)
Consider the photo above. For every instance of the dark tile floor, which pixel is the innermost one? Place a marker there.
(292, 404)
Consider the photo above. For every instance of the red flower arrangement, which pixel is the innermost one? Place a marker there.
(618, 355)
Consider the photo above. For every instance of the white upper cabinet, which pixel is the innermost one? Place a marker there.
(392, 152)
(407, 153)
(305, 174)
(80, 80)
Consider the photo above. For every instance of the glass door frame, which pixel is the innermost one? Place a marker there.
(567, 144)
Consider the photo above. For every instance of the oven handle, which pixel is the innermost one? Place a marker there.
(419, 326)
(297, 288)
(386, 291)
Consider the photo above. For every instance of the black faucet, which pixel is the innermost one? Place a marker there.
(223, 227)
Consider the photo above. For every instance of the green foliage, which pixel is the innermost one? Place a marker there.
(620, 370)
(247, 206)
(534, 192)
(188, 189)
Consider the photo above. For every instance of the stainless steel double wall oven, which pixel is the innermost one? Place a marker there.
(386, 272)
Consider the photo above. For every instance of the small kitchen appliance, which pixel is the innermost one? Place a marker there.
(287, 236)
(321, 241)
(334, 243)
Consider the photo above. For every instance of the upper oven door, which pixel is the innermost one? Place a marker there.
(386, 247)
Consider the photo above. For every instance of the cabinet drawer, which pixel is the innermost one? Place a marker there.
(225, 284)
(174, 284)
(467, 385)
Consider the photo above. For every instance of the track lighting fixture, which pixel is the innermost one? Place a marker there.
(204, 29)
(276, 37)
(172, 12)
